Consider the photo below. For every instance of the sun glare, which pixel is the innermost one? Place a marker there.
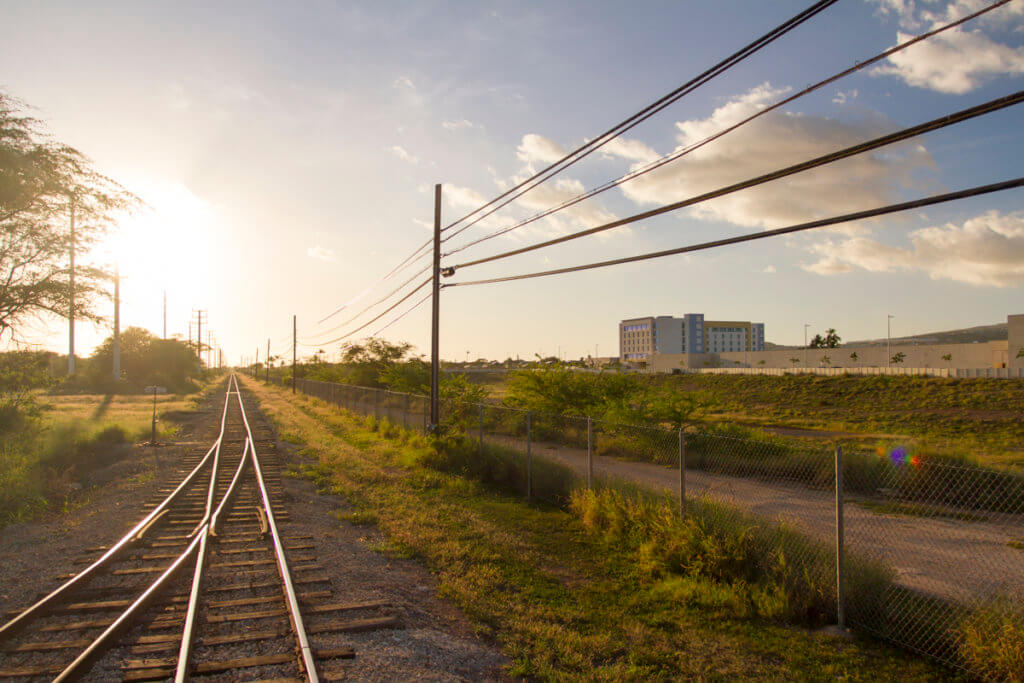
(155, 241)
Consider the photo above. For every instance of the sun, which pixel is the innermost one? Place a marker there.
(155, 238)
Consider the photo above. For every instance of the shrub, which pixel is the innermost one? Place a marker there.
(992, 641)
(773, 571)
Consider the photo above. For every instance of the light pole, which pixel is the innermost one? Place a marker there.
(888, 340)
(806, 325)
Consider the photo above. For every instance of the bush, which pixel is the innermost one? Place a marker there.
(773, 571)
(992, 641)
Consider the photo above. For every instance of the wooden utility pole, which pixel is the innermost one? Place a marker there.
(71, 301)
(117, 323)
(267, 375)
(435, 353)
(294, 345)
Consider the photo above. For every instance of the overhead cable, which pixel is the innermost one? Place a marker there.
(373, 320)
(401, 266)
(374, 304)
(824, 222)
(650, 110)
(679, 153)
(899, 136)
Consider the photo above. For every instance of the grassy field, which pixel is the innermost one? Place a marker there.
(44, 460)
(566, 592)
(981, 420)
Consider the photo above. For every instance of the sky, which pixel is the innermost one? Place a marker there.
(287, 154)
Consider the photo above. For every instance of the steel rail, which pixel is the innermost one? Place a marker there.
(19, 621)
(71, 671)
(203, 529)
(216, 462)
(291, 598)
(199, 541)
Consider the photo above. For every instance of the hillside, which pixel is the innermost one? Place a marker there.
(966, 335)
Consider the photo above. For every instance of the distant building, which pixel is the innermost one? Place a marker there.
(640, 338)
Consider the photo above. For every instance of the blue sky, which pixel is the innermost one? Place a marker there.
(289, 153)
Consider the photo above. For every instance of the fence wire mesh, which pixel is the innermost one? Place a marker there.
(933, 552)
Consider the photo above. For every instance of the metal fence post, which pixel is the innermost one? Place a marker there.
(840, 572)
(480, 438)
(376, 403)
(387, 404)
(405, 411)
(590, 453)
(529, 455)
(682, 474)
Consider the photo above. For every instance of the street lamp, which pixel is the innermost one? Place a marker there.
(888, 341)
(806, 325)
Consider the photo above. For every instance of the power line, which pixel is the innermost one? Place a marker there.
(379, 316)
(591, 146)
(650, 110)
(375, 303)
(935, 124)
(405, 313)
(394, 271)
(677, 154)
(824, 222)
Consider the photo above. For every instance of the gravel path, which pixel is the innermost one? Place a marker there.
(948, 558)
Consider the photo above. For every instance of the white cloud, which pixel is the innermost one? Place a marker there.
(403, 82)
(771, 142)
(954, 62)
(455, 125)
(586, 213)
(987, 250)
(539, 148)
(634, 150)
(958, 60)
(844, 96)
(403, 155)
(320, 253)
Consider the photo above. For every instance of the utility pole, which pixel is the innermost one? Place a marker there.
(806, 325)
(199, 335)
(435, 353)
(267, 375)
(295, 329)
(256, 364)
(165, 315)
(71, 300)
(117, 322)
(888, 341)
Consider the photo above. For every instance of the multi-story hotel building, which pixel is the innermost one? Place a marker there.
(641, 337)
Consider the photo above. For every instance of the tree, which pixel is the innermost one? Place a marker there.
(829, 341)
(145, 359)
(40, 179)
(899, 357)
(949, 358)
(794, 361)
(854, 357)
(825, 360)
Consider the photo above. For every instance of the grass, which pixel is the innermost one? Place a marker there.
(44, 459)
(572, 594)
(982, 419)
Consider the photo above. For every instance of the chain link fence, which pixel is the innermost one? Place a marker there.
(927, 555)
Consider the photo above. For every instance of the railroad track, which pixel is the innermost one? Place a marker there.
(206, 584)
